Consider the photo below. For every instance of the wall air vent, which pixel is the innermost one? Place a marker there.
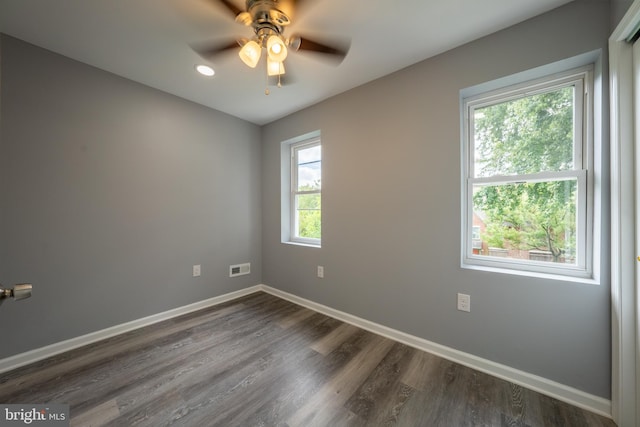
(239, 269)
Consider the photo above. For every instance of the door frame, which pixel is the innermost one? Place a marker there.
(625, 353)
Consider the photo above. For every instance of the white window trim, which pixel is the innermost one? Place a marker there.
(583, 166)
(288, 185)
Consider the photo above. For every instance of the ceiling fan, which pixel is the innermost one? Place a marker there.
(269, 19)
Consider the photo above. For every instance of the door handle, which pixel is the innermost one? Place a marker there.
(18, 292)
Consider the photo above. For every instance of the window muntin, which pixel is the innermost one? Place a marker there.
(526, 177)
(306, 192)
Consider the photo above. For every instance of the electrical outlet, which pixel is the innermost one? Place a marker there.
(321, 272)
(196, 270)
(464, 302)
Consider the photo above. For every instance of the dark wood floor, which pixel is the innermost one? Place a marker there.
(263, 361)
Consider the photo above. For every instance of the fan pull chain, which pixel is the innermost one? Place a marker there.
(266, 79)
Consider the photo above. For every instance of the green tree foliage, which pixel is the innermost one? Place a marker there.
(309, 213)
(526, 136)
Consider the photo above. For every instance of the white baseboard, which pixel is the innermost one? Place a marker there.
(542, 385)
(37, 354)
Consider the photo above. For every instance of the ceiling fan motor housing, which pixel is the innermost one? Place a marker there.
(260, 12)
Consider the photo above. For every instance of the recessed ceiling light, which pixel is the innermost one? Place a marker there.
(205, 70)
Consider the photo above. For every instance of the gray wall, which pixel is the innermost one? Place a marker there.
(391, 212)
(618, 9)
(109, 192)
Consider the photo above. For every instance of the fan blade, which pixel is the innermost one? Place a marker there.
(289, 7)
(297, 4)
(301, 43)
(240, 15)
(229, 5)
(296, 9)
(208, 51)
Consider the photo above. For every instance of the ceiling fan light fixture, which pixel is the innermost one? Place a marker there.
(250, 53)
(294, 42)
(268, 22)
(276, 49)
(274, 68)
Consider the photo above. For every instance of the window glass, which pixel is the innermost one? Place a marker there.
(308, 216)
(305, 193)
(530, 220)
(525, 135)
(308, 168)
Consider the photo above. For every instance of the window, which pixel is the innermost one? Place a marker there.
(527, 187)
(302, 209)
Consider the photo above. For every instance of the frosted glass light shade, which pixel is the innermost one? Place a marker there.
(250, 53)
(274, 68)
(276, 49)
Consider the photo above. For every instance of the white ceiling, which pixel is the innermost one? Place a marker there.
(149, 41)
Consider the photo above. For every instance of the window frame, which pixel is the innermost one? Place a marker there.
(289, 191)
(295, 149)
(582, 79)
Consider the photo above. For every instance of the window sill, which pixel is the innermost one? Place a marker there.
(308, 245)
(533, 274)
